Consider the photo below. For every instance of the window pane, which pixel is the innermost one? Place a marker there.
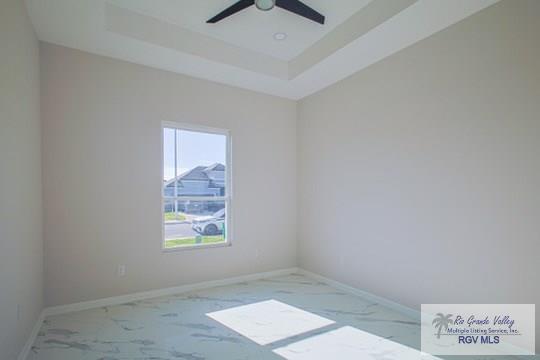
(201, 163)
(194, 222)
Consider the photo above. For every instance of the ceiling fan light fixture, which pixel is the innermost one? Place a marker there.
(265, 5)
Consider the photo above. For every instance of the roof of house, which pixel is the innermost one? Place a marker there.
(215, 167)
(198, 173)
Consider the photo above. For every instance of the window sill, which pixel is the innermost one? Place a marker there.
(194, 247)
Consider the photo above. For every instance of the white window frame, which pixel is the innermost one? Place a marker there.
(228, 186)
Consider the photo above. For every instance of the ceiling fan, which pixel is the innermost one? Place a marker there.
(294, 6)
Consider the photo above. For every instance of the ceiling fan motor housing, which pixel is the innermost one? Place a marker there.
(265, 5)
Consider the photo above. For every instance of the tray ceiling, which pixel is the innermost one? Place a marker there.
(241, 50)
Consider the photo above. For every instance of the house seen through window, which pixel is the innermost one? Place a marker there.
(196, 195)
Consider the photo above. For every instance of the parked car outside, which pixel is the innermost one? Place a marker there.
(211, 224)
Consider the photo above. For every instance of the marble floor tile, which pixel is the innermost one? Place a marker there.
(326, 320)
(349, 343)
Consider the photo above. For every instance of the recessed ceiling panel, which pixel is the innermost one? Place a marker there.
(251, 28)
(152, 30)
(241, 50)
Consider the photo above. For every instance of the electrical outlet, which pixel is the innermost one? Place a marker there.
(121, 271)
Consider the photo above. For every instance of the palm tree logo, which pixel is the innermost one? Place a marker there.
(441, 322)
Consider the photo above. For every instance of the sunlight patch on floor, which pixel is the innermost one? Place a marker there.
(349, 343)
(269, 321)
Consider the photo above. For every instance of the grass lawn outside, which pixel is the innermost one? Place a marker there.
(170, 216)
(214, 239)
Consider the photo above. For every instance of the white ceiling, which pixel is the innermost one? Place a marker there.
(251, 29)
(241, 51)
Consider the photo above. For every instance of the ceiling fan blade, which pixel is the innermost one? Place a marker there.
(233, 9)
(299, 8)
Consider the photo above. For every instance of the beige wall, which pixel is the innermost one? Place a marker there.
(21, 248)
(102, 176)
(419, 176)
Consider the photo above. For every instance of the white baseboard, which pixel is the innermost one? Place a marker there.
(402, 309)
(30, 342)
(116, 300)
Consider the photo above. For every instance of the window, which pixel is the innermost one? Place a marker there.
(196, 187)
